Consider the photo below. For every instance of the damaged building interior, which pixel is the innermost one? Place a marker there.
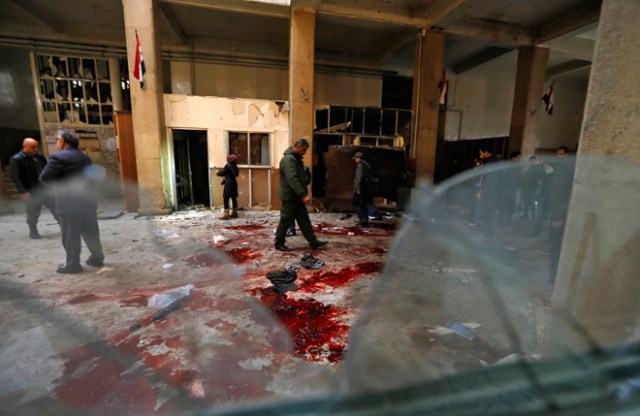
(476, 287)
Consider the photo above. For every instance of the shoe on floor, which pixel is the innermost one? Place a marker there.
(363, 223)
(69, 269)
(282, 247)
(35, 235)
(91, 261)
(316, 245)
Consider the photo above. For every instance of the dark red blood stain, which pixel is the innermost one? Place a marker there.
(340, 278)
(250, 227)
(89, 297)
(198, 301)
(315, 327)
(242, 255)
(369, 267)
(137, 300)
(95, 381)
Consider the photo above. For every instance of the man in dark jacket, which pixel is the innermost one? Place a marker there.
(293, 194)
(67, 172)
(26, 166)
(361, 197)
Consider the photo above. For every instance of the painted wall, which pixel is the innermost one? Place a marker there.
(481, 101)
(18, 116)
(563, 127)
(218, 80)
(17, 99)
(219, 115)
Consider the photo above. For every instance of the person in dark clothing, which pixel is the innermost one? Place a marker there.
(361, 197)
(25, 167)
(294, 196)
(230, 192)
(489, 194)
(560, 194)
(307, 176)
(512, 184)
(67, 173)
(530, 179)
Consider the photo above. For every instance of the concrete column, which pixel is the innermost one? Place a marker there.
(147, 104)
(426, 107)
(597, 281)
(301, 69)
(527, 99)
(115, 78)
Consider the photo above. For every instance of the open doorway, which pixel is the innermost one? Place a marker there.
(191, 169)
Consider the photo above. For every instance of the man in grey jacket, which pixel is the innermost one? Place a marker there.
(76, 204)
(294, 196)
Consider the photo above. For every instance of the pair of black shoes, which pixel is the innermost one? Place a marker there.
(68, 269)
(315, 245)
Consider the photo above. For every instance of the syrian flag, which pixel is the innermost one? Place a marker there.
(139, 70)
(548, 100)
(443, 87)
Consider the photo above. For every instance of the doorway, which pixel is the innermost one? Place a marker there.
(190, 153)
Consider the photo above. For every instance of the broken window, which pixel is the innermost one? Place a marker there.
(251, 148)
(78, 90)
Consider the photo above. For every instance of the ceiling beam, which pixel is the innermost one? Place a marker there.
(263, 9)
(305, 4)
(493, 31)
(396, 45)
(441, 9)
(478, 59)
(393, 13)
(587, 13)
(174, 24)
(36, 13)
(566, 67)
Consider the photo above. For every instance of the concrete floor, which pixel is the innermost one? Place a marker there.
(89, 343)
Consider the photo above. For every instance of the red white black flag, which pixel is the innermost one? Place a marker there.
(442, 86)
(548, 99)
(139, 70)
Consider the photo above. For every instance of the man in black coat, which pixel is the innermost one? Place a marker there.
(68, 173)
(26, 166)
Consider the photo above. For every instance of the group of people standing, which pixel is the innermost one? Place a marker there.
(539, 189)
(64, 185)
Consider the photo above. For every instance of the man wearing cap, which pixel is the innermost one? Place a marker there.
(361, 198)
(293, 194)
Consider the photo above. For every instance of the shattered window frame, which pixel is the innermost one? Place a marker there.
(252, 148)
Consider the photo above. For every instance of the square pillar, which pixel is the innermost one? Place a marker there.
(301, 72)
(527, 98)
(597, 281)
(147, 104)
(426, 106)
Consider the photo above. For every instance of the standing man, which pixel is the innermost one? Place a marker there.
(361, 196)
(293, 194)
(76, 203)
(490, 194)
(559, 196)
(26, 166)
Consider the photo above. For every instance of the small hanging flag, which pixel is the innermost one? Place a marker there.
(548, 99)
(443, 87)
(139, 70)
